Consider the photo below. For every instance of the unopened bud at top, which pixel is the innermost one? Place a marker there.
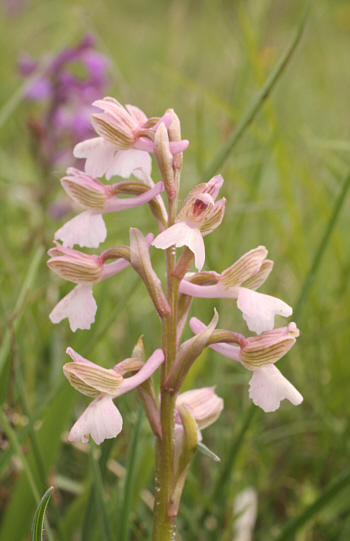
(268, 347)
(165, 160)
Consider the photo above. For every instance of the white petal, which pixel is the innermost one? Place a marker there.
(101, 419)
(259, 310)
(181, 234)
(79, 306)
(87, 229)
(125, 161)
(268, 387)
(98, 153)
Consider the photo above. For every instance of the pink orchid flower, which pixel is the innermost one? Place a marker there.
(198, 216)
(239, 282)
(102, 418)
(205, 405)
(268, 387)
(79, 306)
(88, 229)
(126, 138)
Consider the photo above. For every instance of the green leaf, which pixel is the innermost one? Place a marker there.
(323, 501)
(204, 449)
(129, 481)
(37, 527)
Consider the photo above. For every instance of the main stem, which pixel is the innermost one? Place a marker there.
(164, 525)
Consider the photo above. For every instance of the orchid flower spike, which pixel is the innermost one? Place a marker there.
(268, 387)
(88, 228)
(79, 306)
(239, 282)
(101, 418)
(126, 138)
(198, 216)
(205, 406)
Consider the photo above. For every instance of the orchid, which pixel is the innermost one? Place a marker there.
(198, 216)
(239, 282)
(79, 306)
(88, 229)
(126, 138)
(102, 418)
(268, 387)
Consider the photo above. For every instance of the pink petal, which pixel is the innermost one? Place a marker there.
(146, 371)
(125, 161)
(98, 153)
(101, 419)
(268, 387)
(207, 292)
(87, 229)
(77, 358)
(259, 310)
(181, 234)
(116, 204)
(136, 113)
(79, 306)
(232, 352)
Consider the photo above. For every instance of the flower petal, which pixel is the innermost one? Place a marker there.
(215, 291)
(79, 306)
(98, 153)
(181, 234)
(259, 310)
(146, 372)
(268, 387)
(125, 161)
(87, 229)
(101, 419)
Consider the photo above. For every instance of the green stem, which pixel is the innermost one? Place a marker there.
(164, 525)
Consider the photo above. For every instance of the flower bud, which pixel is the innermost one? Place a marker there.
(75, 266)
(205, 405)
(165, 160)
(269, 347)
(174, 131)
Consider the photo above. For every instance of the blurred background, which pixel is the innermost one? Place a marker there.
(286, 184)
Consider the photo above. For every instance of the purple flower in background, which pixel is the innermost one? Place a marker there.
(74, 78)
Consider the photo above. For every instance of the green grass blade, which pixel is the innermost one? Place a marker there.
(258, 101)
(326, 497)
(39, 516)
(99, 495)
(89, 522)
(129, 480)
(16, 446)
(322, 247)
(21, 302)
